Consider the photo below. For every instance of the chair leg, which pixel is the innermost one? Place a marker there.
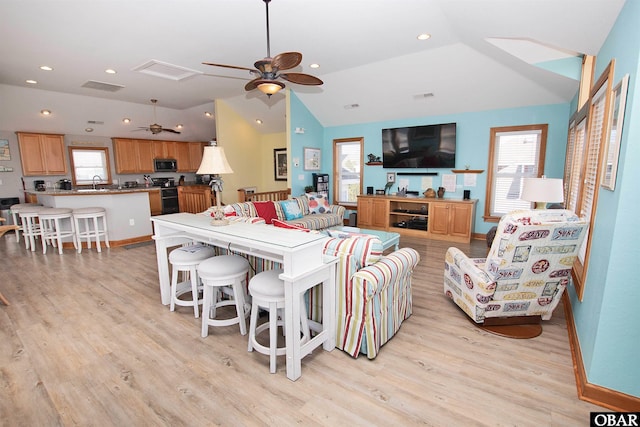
(240, 309)
(206, 306)
(193, 277)
(273, 336)
(252, 325)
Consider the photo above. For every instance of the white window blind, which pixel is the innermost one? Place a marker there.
(516, 157)
(576, 147)
(88, 163)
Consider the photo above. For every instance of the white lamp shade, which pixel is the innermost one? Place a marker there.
(548, 190)
(214, 162)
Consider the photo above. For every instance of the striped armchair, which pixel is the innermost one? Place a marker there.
(373, 293)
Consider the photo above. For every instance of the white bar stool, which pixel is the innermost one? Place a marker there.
(91, 230)
(220, 272)
(30, 225)
(187, 259)
(15, 211)
(267, 292)
(52, 228)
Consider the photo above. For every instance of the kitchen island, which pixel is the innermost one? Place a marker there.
(128, 209)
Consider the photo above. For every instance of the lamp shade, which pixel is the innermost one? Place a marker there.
(543, 190)
(214, 162)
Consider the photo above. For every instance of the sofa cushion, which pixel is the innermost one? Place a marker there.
(276, 222)
(266, 210)
(291, 209)
(318, 204)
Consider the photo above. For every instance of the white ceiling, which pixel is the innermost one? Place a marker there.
(367, 50)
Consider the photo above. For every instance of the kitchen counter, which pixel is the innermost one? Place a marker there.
(92, 192)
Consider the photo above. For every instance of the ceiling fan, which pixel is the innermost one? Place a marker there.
(155, 128)
(269, 69)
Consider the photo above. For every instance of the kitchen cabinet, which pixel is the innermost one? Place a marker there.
(42, 154)
(195, 155)
(165, 149)
(132, 155)
(438, 219)
(182, 156)
(155, 202)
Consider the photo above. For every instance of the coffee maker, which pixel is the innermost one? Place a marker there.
(39, 185)
(64, 184)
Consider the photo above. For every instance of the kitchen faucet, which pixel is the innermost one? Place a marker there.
(94, 180)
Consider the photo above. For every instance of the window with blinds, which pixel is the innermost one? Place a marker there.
(516, 152)
(90, 162)
(347, 164)
(588, 131)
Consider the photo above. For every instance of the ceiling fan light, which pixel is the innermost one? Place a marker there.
(270, 87)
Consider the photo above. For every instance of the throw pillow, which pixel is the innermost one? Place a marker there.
(291, 209)
(318, 204)
(282, 224)
(266, 210)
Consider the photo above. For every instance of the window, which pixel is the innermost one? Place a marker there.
(588, 131)
(515, 152)
(89, 162)
(347, 170)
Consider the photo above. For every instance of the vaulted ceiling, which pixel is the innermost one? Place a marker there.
(482, 54)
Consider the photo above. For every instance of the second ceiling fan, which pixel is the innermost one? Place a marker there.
(269, 69)
(155, 128)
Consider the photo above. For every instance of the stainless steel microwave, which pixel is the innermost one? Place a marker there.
(165, 165)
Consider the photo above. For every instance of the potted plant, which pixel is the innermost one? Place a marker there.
(309, 189)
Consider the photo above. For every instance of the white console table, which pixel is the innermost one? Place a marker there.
(301, 257)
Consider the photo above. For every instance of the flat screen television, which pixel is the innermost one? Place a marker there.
(428, 146)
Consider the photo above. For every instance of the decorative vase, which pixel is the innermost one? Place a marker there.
(440, 192)
(429, 193)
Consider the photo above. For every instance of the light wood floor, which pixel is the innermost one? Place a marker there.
(87, 342)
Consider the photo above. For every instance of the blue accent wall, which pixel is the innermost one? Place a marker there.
(312, 137)
(608, 318)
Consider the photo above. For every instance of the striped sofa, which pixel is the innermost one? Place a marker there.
(309, 220)
(373, 293)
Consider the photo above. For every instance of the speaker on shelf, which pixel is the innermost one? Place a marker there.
(369, 190)
(467, 194)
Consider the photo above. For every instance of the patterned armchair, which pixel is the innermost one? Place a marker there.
(525, 273)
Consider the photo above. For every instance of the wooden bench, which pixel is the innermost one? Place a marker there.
(274, 196)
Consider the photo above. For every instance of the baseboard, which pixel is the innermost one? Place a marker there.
(598, 395)
(112, 243)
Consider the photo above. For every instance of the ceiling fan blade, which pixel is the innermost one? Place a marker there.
(170, 130)
(302, 79)
(252, 84)
(236, 67)
(286, 60)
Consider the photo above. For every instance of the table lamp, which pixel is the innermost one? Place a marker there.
(214, 163)
(542, 191)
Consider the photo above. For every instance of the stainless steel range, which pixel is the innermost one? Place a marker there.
(168, 194)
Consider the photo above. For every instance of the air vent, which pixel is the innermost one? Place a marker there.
(351, 106)
(95, 122)
(423, 95)
(107, 87)
(166, 70)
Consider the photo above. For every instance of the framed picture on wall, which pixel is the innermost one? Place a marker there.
(312, 159)
(280, 164)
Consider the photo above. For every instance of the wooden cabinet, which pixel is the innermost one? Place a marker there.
(182, 156)
(42, 154)
(372, 213)
(133, 155)
(195, 155)
(165, 149)
(439, 219)
(155, 203)
(451, 220)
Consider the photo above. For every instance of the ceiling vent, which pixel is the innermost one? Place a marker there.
(107, 87)
(166, 70)
(95, 122)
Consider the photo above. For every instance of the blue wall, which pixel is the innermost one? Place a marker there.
(608, 318)
(473, 130)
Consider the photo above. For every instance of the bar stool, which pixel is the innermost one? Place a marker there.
(267, 292)
(15, 211)
(52, 229)
(222, 272)
(187, 259)
(88, 231)
(30, 225)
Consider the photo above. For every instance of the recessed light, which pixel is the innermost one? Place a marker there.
(126, 120)
(45, 112)
(424, 36)
(31, 82)
(179, 126)
(314, 65)
(258, 121)
(110, 71)
(88, 129)
(208, 114)
(46, 68)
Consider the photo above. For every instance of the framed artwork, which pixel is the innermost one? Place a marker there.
(5, 154)
(280, 164)
(391, 177)
(312, 159)
(618, 101)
